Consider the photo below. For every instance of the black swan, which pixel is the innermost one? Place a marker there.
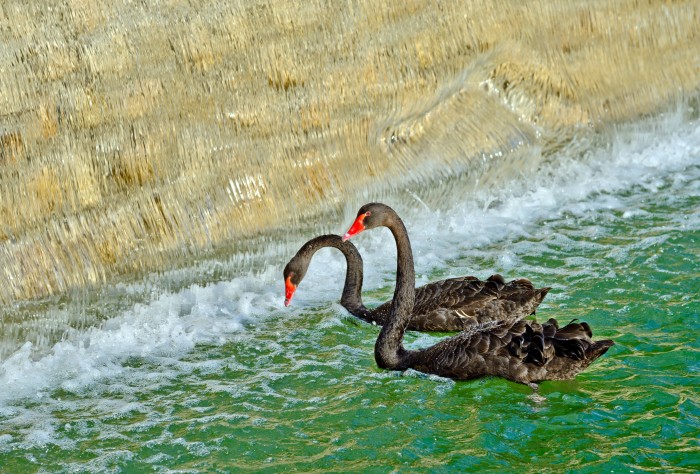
(518, 350)
(446, 306)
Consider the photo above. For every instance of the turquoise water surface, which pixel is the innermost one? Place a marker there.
(220, 377)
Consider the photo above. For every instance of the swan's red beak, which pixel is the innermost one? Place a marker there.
(289, 289)
(356, 227)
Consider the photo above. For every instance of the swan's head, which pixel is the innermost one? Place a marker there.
(293, 274)
(296, 269)
(369, 216)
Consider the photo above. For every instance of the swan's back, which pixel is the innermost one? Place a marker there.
(456, 304)
(522, 351)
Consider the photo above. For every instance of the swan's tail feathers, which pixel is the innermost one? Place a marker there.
(530, 345)
(538, 296)
(599, 348)
(498, 279)
(549, 329)
(574, 341)
(542, 292)
(538, 344)
(535, 353)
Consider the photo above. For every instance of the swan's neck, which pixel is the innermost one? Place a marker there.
(351, 299)
(388, 350)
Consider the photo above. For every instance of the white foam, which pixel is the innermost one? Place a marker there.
(166, 328)
(171, 325)
(643, 156)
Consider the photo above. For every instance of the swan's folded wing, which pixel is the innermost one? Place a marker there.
(475, 352)
(458, 303)
(523, 351)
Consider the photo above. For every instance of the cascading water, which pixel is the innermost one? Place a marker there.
(159, 163)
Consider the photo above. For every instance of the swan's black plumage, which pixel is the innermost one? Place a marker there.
(447, 305)
(513, 348)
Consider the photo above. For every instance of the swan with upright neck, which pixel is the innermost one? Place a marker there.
(448, 305)
(515, 349)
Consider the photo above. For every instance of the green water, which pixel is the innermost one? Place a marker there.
(299, 391)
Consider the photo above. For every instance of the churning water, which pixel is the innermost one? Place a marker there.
(219, 376)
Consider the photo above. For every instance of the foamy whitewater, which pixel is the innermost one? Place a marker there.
(146, 346)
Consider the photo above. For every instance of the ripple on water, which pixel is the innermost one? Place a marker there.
(222, 377)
